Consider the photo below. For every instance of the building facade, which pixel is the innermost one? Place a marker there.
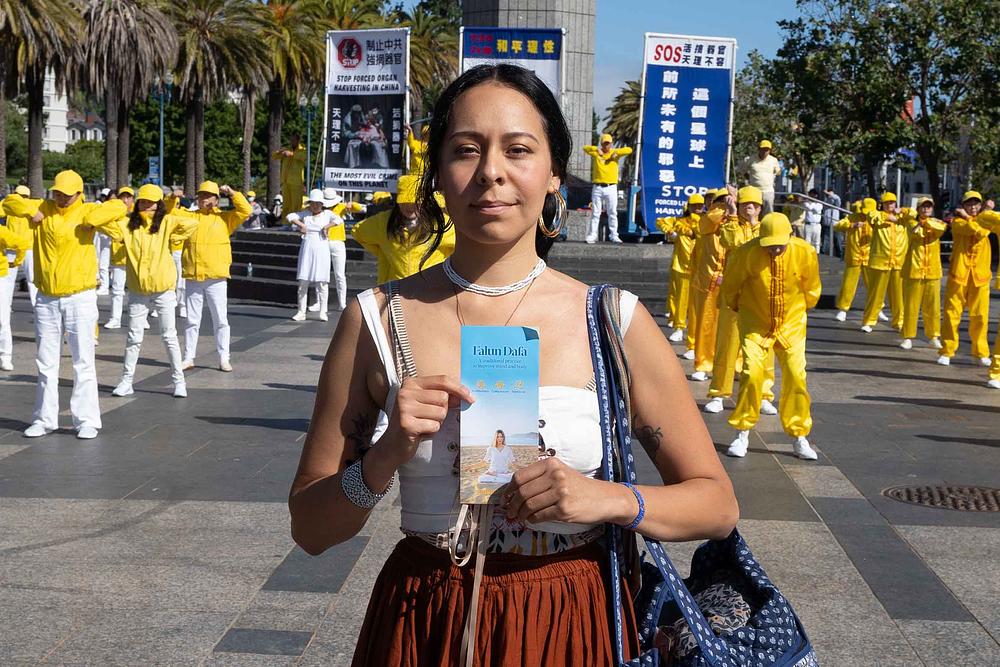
(55, 106)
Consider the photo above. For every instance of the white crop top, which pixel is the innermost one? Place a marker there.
(428, 487)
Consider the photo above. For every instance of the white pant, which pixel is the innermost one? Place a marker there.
(814, 234)
(165, 304)
(7, 284)
(603, 198)
(181, 283)
(322, 295)
(338, 255)
(77, 314)
(103, 245)
(28, 271)
(117, 292)
(214, 291)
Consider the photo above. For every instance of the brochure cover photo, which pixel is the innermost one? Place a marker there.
(499, 432)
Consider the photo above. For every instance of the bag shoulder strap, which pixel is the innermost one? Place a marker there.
(405, 366)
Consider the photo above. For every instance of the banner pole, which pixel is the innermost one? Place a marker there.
(638, 141)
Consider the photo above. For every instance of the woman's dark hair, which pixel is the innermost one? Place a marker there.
(431, 218)
(396, 225)
(135, 220)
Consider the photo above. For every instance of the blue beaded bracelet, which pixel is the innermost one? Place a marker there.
(642, 507)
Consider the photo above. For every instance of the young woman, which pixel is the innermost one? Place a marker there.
(498, 152)
(66, 276)
(314, 253)
(117, 265)
(399, 240)
(205, 261)
(499, 456)
(146, 235)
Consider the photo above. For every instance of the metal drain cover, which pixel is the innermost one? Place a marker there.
(961, 498)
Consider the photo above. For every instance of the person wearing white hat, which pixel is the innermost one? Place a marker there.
(337, 237)
(314, 253)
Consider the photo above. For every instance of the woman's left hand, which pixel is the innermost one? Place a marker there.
(550, 490)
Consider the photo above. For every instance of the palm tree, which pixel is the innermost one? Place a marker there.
(35, 35)
(219, 51)
(294, 35)
(433, 54)
(128, 44)
(354, 14)
(623, 119)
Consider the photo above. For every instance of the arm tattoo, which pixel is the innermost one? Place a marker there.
(360, 437)
(650, 438)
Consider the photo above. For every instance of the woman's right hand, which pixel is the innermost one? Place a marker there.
(421, 407)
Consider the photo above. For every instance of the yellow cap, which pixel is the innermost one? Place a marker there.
(22, 190)
(150, 192)
(380, 196)
(750, 195)
(606, 138)
(210, 187)
(696, 199)
(855, 207)
(775, 229)
(126, 190)
(764, 143)
(68, 182)
(888, 197)
(971, 194)
(924, 200)
(406, 191)
(251, 194)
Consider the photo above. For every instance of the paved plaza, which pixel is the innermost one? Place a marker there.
(165, 541)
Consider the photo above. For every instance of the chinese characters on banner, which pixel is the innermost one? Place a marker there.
(687, 95)
(537, 49)
(366, 107)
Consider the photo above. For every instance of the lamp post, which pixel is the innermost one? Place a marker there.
(308, 108)
(163, 87)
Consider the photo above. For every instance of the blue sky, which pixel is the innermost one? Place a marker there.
(621, 24)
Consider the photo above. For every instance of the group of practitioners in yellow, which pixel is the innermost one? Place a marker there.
(741, 285)
(740, 288)
(55, 237)
(897, 253)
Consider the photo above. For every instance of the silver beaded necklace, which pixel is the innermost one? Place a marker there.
(487, 290)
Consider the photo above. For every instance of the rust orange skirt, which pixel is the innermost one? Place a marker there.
(534, 610)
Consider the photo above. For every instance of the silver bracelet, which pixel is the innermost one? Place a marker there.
(353, 484)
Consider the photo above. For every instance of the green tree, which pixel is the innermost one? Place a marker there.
(16, 136)
(433, 55)
(127, 44)
(219, 50)
(294, 35)
(35, 36)
(84, 157)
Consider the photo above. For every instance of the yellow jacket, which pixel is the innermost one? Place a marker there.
(709, 253)
(398, 260)
(923, 259)
(889, 241)
(736, 232)
(686, 230)
(20, 226)
(795, 213)
(63, 242)
(418, 154)
(858, 239)
(337, 232)
(604, 166)
(772, 295)
(208, 253)
(666, 225)
(970, 254)
(11, 241)
(149, 266)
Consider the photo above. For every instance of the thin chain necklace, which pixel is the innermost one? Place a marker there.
(458, 305)
(487, 290)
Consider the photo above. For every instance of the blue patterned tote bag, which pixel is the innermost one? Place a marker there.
(727, 613)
